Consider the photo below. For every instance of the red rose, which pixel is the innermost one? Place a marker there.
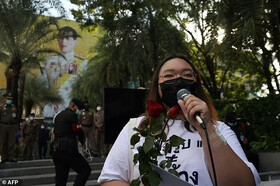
(154, 109)
(173, 112)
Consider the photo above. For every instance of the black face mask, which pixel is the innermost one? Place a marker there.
(170, 88)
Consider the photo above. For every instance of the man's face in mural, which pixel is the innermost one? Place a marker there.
(67, 44)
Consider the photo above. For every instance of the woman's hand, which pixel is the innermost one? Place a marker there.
(192, 105)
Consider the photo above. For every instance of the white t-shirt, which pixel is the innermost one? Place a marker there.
(188, 159)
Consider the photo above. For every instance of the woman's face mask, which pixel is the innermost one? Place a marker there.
(98, 108)
(170, 88)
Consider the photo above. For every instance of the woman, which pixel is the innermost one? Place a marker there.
(193, 161)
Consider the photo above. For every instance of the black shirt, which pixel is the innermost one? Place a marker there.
(63, 122)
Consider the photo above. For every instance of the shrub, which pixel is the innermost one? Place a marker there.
(263, 114)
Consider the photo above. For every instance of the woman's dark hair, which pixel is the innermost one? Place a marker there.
(154, 95)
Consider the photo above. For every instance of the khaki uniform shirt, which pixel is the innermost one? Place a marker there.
(87, 118)
(30, 128)
(99, 118)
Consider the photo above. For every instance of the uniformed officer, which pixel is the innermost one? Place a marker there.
(66, 154)
(87, 122)
(43, 137)
(99, 123)
(60, 71)
(29, 131)
(8, 129)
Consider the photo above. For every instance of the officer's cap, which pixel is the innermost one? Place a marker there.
(32, 114)
(8, 96)
(67, 31)
(78, 103)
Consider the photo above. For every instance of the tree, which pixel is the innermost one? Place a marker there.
(24, 35)
(255, 26)
(219, 64)
(138, 34)
(36, 92)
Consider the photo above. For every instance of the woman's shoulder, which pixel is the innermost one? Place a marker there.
(222, 125)
(225, 129)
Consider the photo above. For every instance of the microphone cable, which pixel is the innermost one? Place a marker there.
(202, 124)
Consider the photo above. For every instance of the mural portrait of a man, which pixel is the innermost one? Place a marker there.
(61, 70)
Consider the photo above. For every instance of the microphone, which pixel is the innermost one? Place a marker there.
(182, 94)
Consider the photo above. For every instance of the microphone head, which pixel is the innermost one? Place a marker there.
(182, 93)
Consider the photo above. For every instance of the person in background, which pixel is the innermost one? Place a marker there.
(8, 129)
(18, 144)
(43, 137)
(29, 131)
(99, 123)
(87, 121)
(191, 160)
(66, 154)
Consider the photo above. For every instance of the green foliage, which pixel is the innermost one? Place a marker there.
(36, 91)
(266, 143)
(148, 153)
(262, 114)
(138, 34)
(252, 25)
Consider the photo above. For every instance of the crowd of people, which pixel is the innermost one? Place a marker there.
(34, 139)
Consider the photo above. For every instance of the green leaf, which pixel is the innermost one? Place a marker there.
(163, 136)
(145, 132)
(136, 158)
(162, 164)
(136, 129)
(176, 141)
(135, 182)
(144, 167)
(165, 164)
(167, 148)
(155, 153)
(168, 164)
(134, 139)
(145, 180)
(148, 144)
(156, 126)
(154, 178)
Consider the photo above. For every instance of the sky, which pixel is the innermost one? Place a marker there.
(67, 5)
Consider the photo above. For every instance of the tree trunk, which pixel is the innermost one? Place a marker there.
(21, 93)
(12, 75)
(211, 69)
(28, 107)
(266, 61)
